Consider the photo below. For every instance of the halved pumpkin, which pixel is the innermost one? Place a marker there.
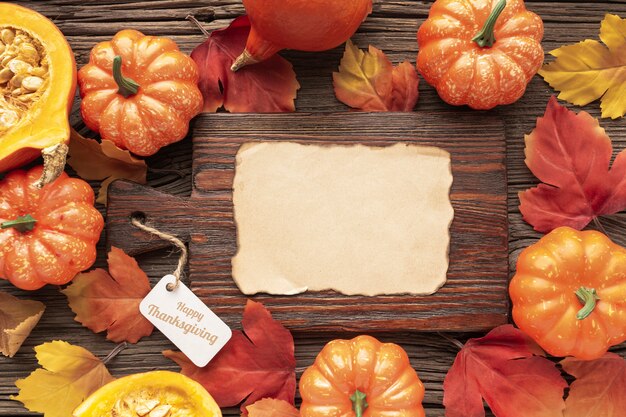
(37, 85)
(150, 394)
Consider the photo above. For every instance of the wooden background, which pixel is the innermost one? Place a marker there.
(391, 27)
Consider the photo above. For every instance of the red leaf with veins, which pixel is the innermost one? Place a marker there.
(501, 369)
(267, 87)
(255, 365)
(571, 154)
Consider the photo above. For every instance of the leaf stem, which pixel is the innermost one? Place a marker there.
(115, 352)
(22, 224)
(599, 225)
(127, 87)
(193, 20)
(588, 298)
(452, 340)
(486, 37)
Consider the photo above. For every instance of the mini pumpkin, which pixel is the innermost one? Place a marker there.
(47, 235)
(361, 377)
(140, 92)
(482, 53)
(569, 293)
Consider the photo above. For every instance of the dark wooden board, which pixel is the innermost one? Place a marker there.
(475, 295)
(392, 28)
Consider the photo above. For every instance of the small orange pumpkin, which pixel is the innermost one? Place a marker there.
(361, 377)
(140, 92)
(482, 53)
(47, 235)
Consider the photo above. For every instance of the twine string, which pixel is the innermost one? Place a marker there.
(182, 260)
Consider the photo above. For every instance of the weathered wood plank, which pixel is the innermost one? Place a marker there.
(475, 295)
(392, 28)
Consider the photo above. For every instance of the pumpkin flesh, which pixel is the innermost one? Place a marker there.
(37, 85)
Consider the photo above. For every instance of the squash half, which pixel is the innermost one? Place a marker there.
(45, 123)
(150, 394)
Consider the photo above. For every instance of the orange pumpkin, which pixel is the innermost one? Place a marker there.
(361, 377)
(569, 293)
(303, 25)
(47, 235)
(482, 53)
(140, 92)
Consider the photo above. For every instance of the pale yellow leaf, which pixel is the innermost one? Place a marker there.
(589, 70)
(68, 375)
(104, 161)
(17, 320)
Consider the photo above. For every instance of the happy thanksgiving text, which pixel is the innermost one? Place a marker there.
(186, 327)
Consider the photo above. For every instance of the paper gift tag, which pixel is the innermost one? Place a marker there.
(184, 319)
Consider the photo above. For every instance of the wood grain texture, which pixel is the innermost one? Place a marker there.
(475, 295)
(392, 28)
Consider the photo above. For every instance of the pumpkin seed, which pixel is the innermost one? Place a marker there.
(31, 83)
(145, 407)
(160, 411)
(5, 75)
(7, 35)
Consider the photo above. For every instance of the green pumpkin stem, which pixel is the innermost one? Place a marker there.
(127, 87)
(22, 224)
(359, 403)
(486, 37)
(588, 298)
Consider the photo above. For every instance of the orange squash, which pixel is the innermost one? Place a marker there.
(569, 293)
(47, 235)
(361, 377)
(139, 92)
(150, 394)
(482, 53)
(303, 25)
(37, 86)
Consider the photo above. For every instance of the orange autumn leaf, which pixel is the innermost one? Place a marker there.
(17, 319)
(110, 300)
(271, 407)
(368, 81)
(103, 161)
(266, 87)
(599, 389)
(67, 376)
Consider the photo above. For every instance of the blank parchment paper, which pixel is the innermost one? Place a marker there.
(355, 219)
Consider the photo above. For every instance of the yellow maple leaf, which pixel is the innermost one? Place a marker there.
(17, 320)
(93, 160)
(589, 70)
(368, 81)
(68, 375)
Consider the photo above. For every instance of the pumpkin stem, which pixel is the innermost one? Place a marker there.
(587, 297)
(127, 87)
(486, 37)
(22, 224)
(359, 403)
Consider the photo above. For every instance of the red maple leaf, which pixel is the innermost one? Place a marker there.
(255, 365)
(502, 369)
(267, 87)
(571, 154)
(599, 389)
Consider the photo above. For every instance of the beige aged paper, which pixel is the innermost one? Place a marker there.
(354, 219)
